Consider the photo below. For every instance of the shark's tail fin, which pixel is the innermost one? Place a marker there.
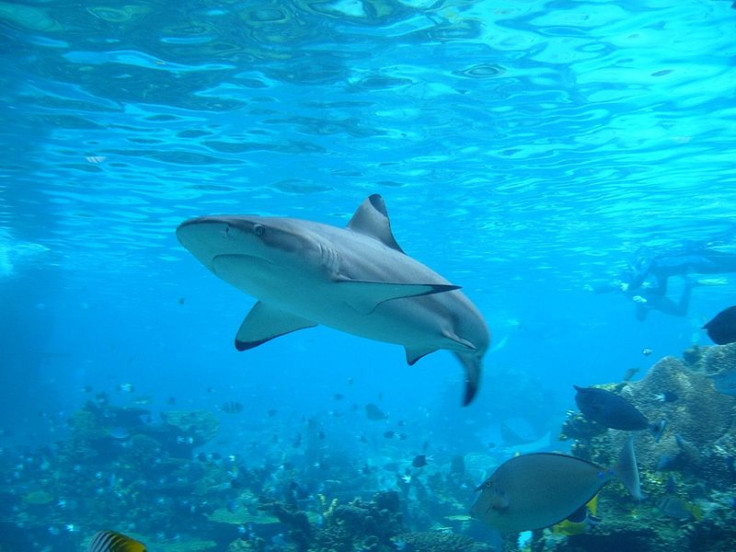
(473, 366)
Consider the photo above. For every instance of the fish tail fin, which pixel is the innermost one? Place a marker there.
(628, 471)
(657, 429)
(472, 364)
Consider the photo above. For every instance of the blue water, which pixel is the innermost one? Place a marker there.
(525, 150)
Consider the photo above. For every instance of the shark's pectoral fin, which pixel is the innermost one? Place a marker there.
(415, 353)
(472, 364)
(265, 322)
(364, 297)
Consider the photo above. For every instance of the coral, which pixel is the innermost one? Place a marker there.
(362, 525)
(433, 541)
(240, 545)
(718, 359)
(38, 498)
(198, 425)
(694, 460)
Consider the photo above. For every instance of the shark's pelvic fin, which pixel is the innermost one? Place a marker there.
(452, 336)
(366, 296)
(264, 323)
(371, 219)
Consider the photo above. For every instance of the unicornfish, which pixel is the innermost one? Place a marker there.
(538, 490)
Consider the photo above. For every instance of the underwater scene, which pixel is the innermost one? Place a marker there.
(367, 276)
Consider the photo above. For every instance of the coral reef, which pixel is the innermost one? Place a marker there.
(436, 541)
(692, 461)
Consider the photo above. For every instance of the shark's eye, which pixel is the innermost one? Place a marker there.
(258, 229)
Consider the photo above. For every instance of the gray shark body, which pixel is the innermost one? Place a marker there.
(355, 279)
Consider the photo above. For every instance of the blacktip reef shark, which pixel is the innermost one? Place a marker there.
(356, 279)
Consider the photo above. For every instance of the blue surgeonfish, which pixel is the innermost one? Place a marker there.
(538, 490)
(110, 541)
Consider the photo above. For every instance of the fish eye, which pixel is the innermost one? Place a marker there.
(259, 229)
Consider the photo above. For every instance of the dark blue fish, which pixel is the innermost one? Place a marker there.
(232, 407)
(667, 460)
(670, 486)
(666, 396)
(609, 409)
(374, 413)
(419, 461)
(722, 328)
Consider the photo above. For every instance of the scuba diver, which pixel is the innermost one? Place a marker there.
(646, 280)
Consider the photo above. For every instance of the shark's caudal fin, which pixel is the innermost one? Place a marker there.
(473, 368)
(371, 219)
(264, 322)
(627, 470)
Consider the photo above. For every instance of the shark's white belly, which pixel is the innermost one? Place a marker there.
(408, 321)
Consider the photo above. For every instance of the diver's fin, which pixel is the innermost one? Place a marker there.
(366, 296)
(264, 323)
(627, 470)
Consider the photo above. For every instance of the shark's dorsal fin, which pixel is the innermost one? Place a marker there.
(371, 219)
(265, 322)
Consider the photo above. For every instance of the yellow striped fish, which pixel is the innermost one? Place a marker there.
(110, 541)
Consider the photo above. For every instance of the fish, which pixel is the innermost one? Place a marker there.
(111, 541)
(722, 328)
(725, 382)
(609, 409)
(355, 279)
(646, 351)
(578, 522)
(666, 396)
(420, 460)
(538, 490)
(679, 508)
(630, 373)
(688, 449)
(515, 433)
(374, 413)
(232, 407)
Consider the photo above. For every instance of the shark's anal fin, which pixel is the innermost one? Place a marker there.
(366, 296)
(264, 323)
(371, 219)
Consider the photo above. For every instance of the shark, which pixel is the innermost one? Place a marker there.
(355, 279)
